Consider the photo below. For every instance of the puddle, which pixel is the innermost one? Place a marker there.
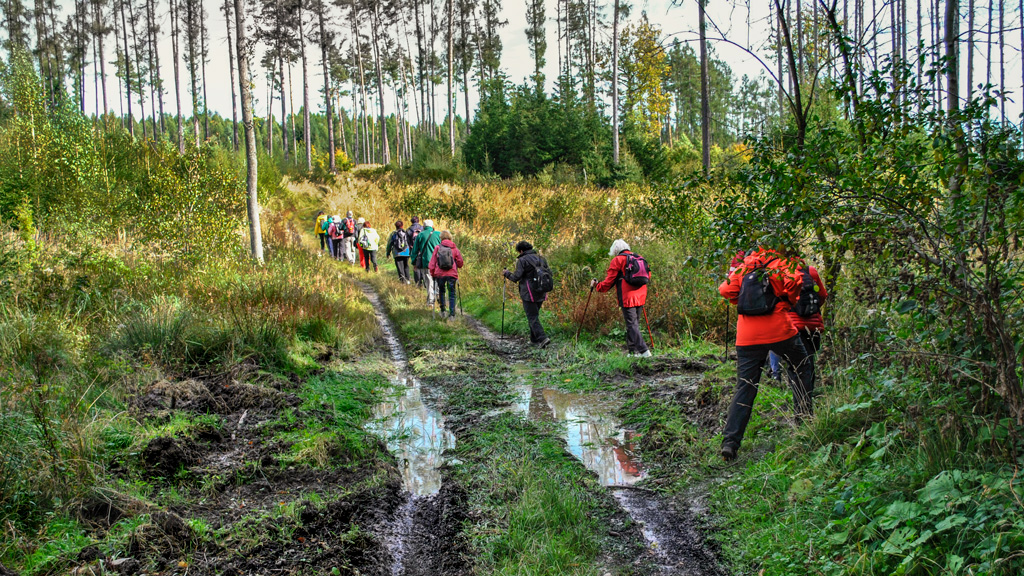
(414, 432)
(593, 434)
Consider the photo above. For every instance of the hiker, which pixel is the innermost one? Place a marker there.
(359, 228)
(398, 244)
(348, 237)
(336, 235)
(422, 250)
(631, 297)
(762, 289)
(412, 233)
(444, 269)
(320, 230)
(369, 242)
(806, 312)
(533, 288)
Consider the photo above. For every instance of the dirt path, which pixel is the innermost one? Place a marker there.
(673, 531)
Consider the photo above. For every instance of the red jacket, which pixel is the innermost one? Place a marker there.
(770, 328)
(813, 323)
(436, 271)
(629, 296)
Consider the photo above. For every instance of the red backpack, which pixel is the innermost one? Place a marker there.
(636, 272)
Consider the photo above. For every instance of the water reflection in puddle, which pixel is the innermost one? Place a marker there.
(593, 435)
(415, 434)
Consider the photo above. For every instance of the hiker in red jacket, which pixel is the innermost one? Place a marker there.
(631, 298)
(444, 269)
(762, 326)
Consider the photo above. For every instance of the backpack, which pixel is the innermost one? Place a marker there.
(636, 272)
(350, 226)
(809, 303)
(415, 233)
(543, 280)
(445, 258)
(401, 242)
(757, 297)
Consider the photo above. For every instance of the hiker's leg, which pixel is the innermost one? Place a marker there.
(749, 363)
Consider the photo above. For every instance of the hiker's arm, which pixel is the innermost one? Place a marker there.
(730, 289)
(612, 275)
(391, 241)
(518, 274)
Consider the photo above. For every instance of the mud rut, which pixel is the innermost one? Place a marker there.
(418, 536)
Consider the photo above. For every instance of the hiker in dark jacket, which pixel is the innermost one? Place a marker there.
(631, 298)
(444, 269)
(412, 233)
(525, 275)
(400, 245)
(422, 250)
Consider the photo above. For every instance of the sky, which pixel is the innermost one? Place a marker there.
(730, 17)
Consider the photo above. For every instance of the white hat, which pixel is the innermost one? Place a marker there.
(336, 217)
(428, 223)
(360, 220)
(617, 247)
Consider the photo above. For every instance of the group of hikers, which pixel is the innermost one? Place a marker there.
(778, 298)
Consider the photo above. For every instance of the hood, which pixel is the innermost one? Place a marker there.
(448, 243)
(530, 251)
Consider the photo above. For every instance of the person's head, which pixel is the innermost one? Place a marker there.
(446, 235)
(617, 247)
(320, 213)
(366, 225)
(415, 219)
(360, 220)
(399, 225)
(348, 214)
(336, 218)
(428, 223)
(523, 246)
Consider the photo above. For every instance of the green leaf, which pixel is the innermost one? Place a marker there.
(907, 306)
(899, 512)
(950, 522)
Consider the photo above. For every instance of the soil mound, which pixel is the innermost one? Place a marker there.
(164, 456)
(228, 398)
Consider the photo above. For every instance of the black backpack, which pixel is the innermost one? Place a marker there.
(809, 303)
(757, 297)
(543, 280)
(445, 258)
(636, 272)
(401, 242)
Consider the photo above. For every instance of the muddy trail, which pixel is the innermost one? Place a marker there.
(423, 537)
(674, 531)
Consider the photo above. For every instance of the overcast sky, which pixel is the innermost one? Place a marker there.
(748, 26)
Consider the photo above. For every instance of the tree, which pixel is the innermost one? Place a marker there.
(536, 39)
(615, 82)
(244, 82)
(226, 8)
(643, 65)
(705, 95)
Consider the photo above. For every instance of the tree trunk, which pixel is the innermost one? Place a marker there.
(138, 71)
(705, 96)
(1002, 60)
(307, 141)
(615, 82)
(451, 96)
(970, 51)
(327, 87)
(284, 109)
(192, 68)
(157, 80)
(127, 72)
(231, 69)
(252, 202)
(102, 55)
(291, 115)
(375, 27)
(175, 19)
(202, 59)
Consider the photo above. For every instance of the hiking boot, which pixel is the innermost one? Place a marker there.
(728, 453)
(544, 343)
(646, 354)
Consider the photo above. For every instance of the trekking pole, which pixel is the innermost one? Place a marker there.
(728, 317)
(458, 286)
(649, 333)
(503, 308)
(583, 317)
(433, 301)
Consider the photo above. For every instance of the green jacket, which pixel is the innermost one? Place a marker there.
(369, 239)
(425, 243)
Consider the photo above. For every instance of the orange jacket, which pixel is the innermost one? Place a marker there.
(629, 296)
(770, 328)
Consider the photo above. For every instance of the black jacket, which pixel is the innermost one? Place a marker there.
(524, 274)
(393, 244)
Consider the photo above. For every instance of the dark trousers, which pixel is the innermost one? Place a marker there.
(402, 265)
(370, 256)
(532, 310)
(330, 245)
(634, 337)
(323, 242)
(448, 283)
(750, 361)
(337, 248)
